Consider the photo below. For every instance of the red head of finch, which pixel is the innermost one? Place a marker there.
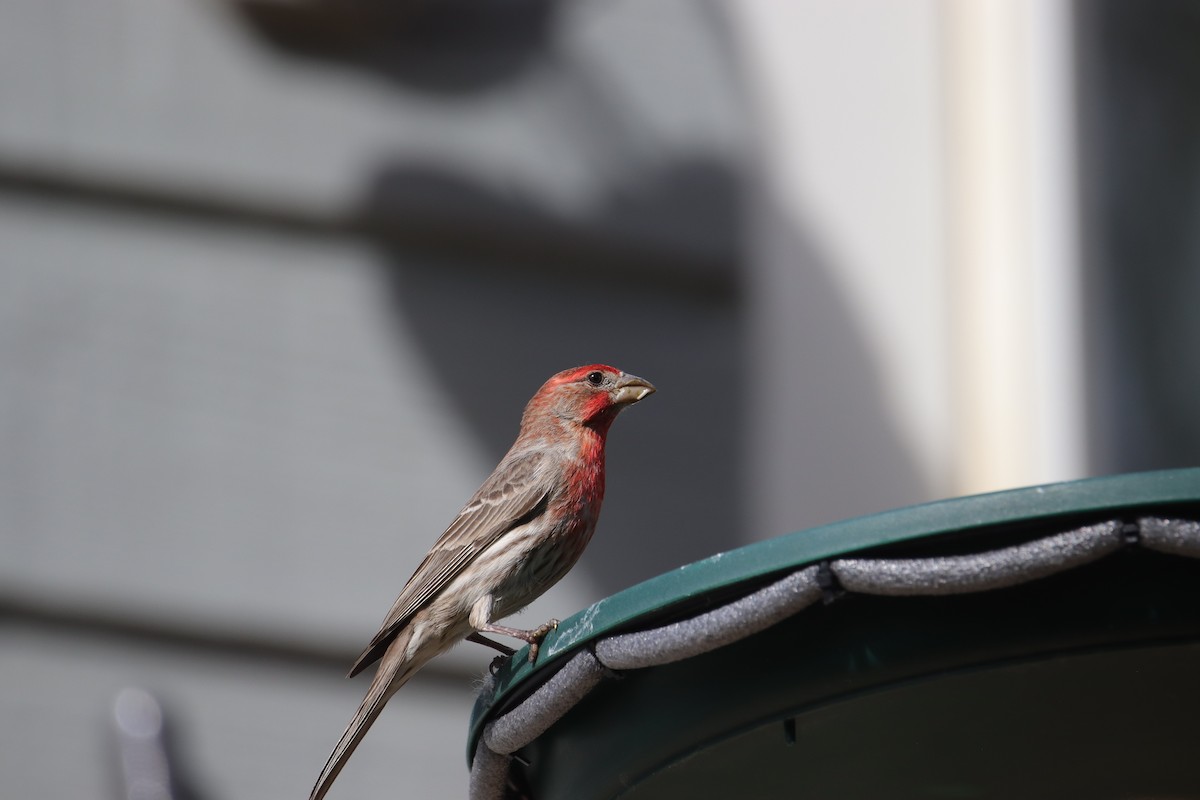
(516, 537)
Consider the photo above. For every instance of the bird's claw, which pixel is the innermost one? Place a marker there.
(537, 635)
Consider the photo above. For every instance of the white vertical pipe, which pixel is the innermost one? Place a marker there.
(1014, 273)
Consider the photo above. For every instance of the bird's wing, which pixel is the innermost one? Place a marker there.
(514, 494)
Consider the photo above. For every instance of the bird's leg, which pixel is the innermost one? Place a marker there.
(533, 638)
(479, 638)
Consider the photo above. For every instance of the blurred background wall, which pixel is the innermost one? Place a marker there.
(277, 276)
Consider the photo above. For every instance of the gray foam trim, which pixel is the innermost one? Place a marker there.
(982, 571)
(546, 705)
(1175, 536)
(489, 774)
(712, 629)
(755, 612)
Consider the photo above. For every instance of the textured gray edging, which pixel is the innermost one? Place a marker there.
(712, 629)
(717, 628)
(529, 720)
(898, 577)
(546, 705)
(979, 572)
(489, 773)
(1174, 536)
(489, 769)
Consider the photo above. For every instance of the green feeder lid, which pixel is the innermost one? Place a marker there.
(1040, 642)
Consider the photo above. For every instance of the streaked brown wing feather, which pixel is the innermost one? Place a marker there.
(513, 494)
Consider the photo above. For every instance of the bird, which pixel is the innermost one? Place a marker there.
(517, 536)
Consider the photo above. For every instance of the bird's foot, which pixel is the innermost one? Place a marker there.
(533, 638)
(537, 635)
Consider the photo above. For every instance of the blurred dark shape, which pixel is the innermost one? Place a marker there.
(150, 767)
(676, 226)
(437, 46)
(646, 279)
(1139, 72)
(488, 268)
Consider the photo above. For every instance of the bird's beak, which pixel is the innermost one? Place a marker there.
(630, 389)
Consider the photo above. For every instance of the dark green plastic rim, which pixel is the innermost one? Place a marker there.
(746, 564)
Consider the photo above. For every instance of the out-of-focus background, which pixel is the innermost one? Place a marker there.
(277, 276)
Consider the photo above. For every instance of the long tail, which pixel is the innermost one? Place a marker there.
(394, 671)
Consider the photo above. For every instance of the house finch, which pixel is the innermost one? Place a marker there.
(516, 537)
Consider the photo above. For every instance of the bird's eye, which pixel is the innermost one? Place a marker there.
(595, 378)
